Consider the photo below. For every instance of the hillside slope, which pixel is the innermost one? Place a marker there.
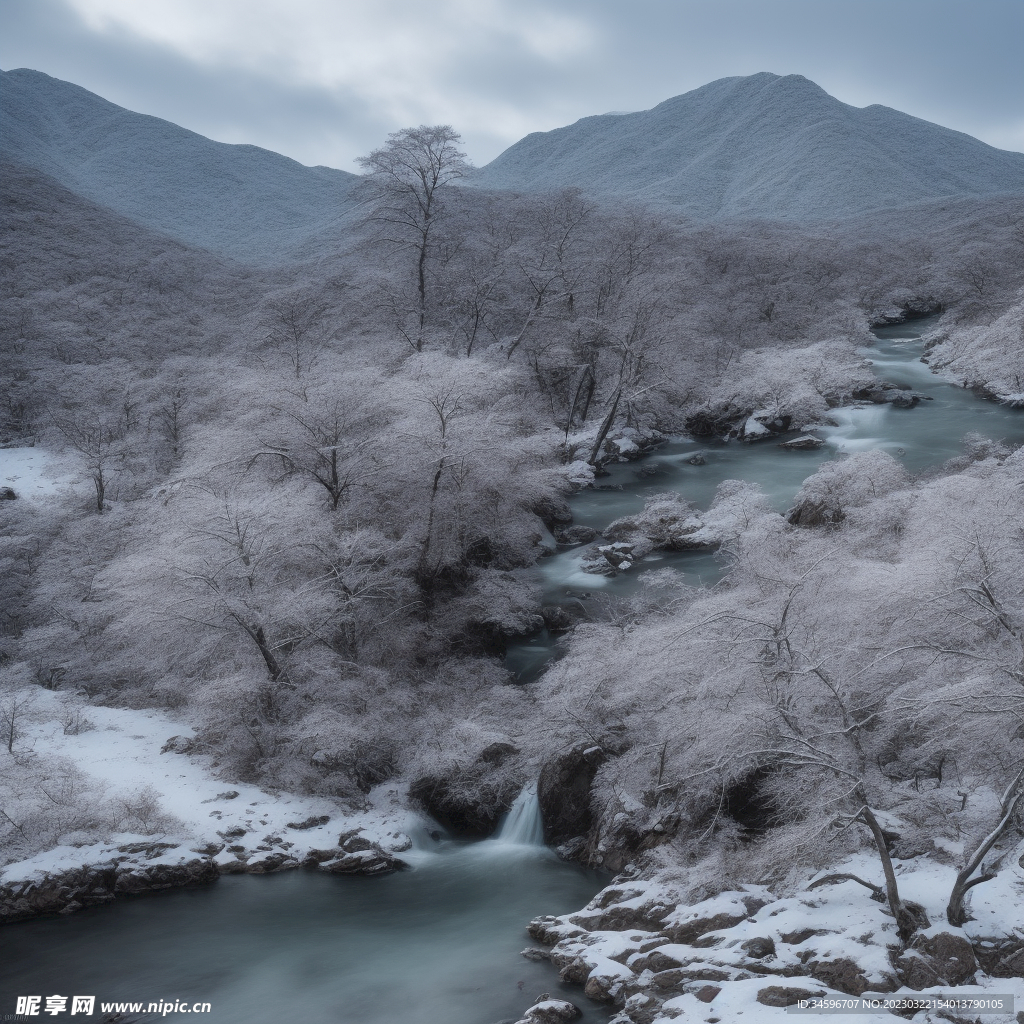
(241, 201)
(763, 145)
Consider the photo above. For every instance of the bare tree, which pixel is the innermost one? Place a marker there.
(409, 175)
(102, 441)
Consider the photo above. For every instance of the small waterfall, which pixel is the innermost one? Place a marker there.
(522, 825)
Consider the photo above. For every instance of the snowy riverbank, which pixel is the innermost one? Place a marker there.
(179, 822)
(747, 955)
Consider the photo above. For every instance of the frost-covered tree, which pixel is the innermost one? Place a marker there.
(409, 177)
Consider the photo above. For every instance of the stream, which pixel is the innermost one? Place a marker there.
(437, 944)
(921, 437)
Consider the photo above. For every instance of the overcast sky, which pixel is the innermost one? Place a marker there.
(325, 80)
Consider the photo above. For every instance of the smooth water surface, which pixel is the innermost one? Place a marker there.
(438, 944)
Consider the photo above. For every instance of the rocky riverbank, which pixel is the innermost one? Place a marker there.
(746, 955)
(179, 823)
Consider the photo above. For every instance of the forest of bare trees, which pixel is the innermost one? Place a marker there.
(311, 499)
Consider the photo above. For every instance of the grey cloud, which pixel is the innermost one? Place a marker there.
(947, 61)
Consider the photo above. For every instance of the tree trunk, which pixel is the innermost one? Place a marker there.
(956, 912)
(905, 923)
(605, 427)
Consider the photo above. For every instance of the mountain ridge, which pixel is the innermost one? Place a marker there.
(759, 145)
(228, 198)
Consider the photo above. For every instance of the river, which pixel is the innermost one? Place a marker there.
(439, 944)
(921, 437)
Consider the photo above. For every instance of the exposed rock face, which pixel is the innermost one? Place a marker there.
(564, 792)
(470, 800)
(89, 885)
(913, 309)
(814, 513)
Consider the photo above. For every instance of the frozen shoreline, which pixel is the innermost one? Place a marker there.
(204, 826)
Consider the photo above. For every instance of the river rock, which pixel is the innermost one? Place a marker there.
(557, 618)
(887, 393)
(269, 862)
(550, 1011)
(667, 522)
(628, 443)
(804, 443)
(575, 535)
(374, 861)
(92, 884)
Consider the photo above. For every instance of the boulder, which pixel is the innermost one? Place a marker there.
(470, 800)
(311, 822)
(550, 1011)
(179, 745)
(497, 753)
(7, 494)
(804, 443)
(575, 535)
(758, 948)
(564, 792)
(784, 995)
(269, 862)
(557, 618)
(843, 974)
(707, 993)
(374, 861)
(553, 511)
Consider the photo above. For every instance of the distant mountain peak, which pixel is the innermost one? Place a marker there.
(761, 145)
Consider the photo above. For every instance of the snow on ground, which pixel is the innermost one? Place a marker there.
(32, 472)
(639, 944)
(124, 754)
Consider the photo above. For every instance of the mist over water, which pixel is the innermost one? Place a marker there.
(435, 945)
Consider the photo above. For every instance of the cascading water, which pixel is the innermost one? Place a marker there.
(522, 825)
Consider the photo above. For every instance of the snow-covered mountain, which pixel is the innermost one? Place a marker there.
(242, 201)
(764, 146)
